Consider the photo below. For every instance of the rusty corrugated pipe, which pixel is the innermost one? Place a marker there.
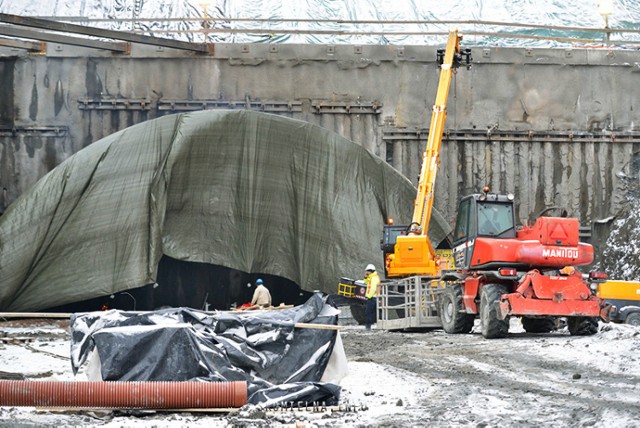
(123, 395)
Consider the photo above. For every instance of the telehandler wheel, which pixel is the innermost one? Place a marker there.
(454, 321)
(538, 325)
(492, 326)
(633, 319)
(582, 326)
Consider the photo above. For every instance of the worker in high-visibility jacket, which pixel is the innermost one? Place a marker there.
(372, 280)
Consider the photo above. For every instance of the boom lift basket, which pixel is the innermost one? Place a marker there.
(409, 303)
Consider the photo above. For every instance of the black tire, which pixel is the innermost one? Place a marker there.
(454, 321)
(538, 325)
(582, 326)
(492, 326)
(357, 312)
(633, 319)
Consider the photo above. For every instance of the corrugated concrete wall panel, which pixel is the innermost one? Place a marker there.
(581, 177)
(506, 90)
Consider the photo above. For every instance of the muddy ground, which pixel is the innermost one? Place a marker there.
(525, 380)
(400, 379)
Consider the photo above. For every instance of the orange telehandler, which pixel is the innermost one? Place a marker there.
(495, 268)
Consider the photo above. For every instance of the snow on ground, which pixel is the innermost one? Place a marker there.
(525, 379)
(48, 360)
(392, 391)
(617, 349)
(403, 379)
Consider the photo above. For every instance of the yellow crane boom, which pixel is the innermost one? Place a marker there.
(413, 252)
(431, 157)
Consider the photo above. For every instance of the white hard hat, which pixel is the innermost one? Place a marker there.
(370, 267)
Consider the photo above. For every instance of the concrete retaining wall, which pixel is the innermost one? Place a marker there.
(556, 127)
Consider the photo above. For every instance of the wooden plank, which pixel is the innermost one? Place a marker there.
(91, 409)
(275, 308)
(11, 376)
(34, 315)
(258, 307)
(67, 315)
(319, 326)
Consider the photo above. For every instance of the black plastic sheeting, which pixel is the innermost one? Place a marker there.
(281, 363)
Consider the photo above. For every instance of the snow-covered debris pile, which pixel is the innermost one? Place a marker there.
(281, 363)
(621, 254)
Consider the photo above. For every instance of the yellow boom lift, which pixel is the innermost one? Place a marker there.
(501, 269)
(407, 249)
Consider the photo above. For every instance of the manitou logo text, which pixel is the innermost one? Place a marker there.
(571, 253)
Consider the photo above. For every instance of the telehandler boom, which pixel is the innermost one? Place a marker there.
(412, 252)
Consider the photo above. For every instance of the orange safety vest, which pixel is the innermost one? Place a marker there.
(373, 282)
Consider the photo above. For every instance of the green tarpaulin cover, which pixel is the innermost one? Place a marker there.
(241, 189)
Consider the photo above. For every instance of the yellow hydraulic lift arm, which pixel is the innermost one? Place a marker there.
(431, 157)
(413, 253)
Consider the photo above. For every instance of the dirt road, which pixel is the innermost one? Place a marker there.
(402, 379)
(526, 379)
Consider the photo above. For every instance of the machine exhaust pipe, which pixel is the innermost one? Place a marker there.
(124, 395)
